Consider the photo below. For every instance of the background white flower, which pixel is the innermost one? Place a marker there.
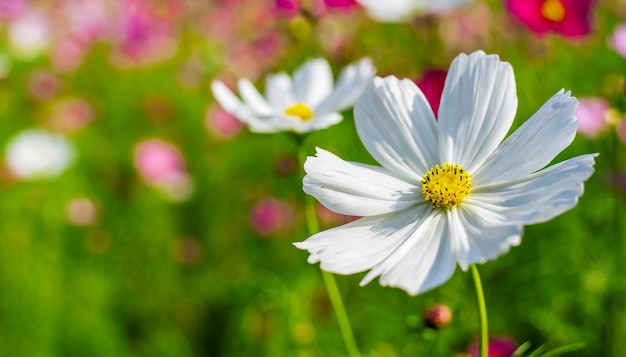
(402, 10)
(35, 154)
(305, 103)
(470, 208)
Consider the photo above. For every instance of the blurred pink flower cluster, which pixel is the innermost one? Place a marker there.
(139, 31)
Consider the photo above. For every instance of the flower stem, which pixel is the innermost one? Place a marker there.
(329, 279)
(482, 311)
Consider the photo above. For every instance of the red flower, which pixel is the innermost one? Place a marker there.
(431, 84)
(570, 18)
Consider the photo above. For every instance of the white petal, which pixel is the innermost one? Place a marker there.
(317, 123)
(226, 98)
(253, 98)
(256, 122)
(279, 91)
(478, 242)
(536, 198)
(478, 105)
(272, 124)
(534, 144)
(356, 189)
(351, 83)
(397, 127)
(364, 243)
(423, 261)
(313, 82)
(390, 10)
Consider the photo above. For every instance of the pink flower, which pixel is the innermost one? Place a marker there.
(288, 8)
(438, 316)
(141, 35)
(618, 40)
(44, 85)
(466, 28)
(570, 18)
(159, 161)
(221, 123)
(498, 347)
(271, 216)
(71, 114)
(431, 84)
(343, 4)
(81, 212)
(67, 54)
(163, 166)
(12, 9)
(592, 114)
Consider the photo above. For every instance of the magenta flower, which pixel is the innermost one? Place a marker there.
(569, 18)
(431, 84)
(498, 347)
(271, 216)
(592, 114)
(288, 8)
(344, 4)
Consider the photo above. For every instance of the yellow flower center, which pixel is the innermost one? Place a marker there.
(301, 111)
(446, 186)
(553, 10)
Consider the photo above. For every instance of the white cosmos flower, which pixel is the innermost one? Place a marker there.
(447, 191)
(305, 103)
(402, 10)
(35, 154)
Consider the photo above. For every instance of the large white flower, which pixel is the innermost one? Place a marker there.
(447, 191)
(35, 154)
(306, 103)
(401, 10)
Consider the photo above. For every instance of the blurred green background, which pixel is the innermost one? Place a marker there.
(143, 271)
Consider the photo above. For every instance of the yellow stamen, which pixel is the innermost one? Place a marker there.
(301, 111)
(446, 186)
(553, 10)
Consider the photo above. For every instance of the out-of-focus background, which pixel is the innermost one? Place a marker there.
(137, 218)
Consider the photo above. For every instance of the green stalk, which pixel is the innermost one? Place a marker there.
(329, 278)
(482, 311)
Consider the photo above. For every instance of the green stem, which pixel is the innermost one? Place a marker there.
(482, 311)
(329, 278)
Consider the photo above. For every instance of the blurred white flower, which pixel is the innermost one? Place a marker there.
(35, 154)
(307, 103)
(402, 10)
(448, 191)
(29, 35)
